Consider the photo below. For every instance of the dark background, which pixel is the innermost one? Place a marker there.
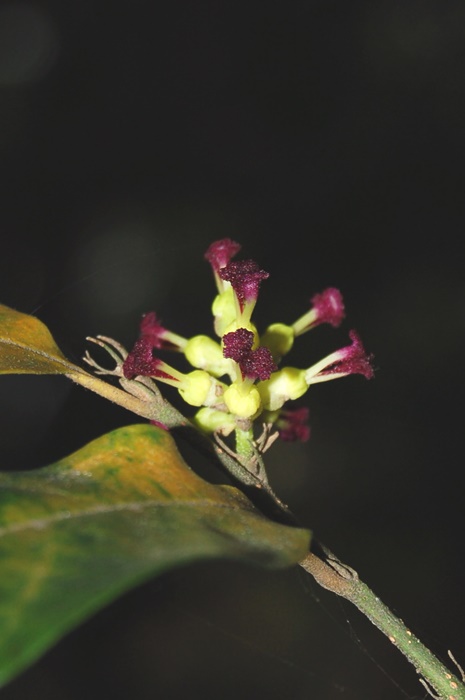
(328, 138)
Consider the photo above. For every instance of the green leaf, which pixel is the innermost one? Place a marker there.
(76, 534)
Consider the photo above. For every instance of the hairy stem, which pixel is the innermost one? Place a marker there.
(339, 578)
(244, 443)
(112, 393)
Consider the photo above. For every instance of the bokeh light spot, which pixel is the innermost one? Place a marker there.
(28, 44)
(121, 267)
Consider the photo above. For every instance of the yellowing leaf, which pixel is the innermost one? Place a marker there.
(27, 347)
(126, 507)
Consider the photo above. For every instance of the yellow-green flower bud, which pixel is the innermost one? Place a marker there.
(198, 388)
(279, 339)
(243, 403)
(209, 420)
(205, 353)
(288, 383)
(224, 310)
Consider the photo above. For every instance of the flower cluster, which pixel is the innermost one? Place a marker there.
(237, 378)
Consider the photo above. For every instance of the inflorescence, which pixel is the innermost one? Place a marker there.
(237, 379)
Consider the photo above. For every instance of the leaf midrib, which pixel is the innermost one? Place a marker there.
(42, 353)
(43, 523)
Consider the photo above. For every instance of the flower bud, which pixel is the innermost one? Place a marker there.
(279, 338)
(198, 388)
(224, 310)
(286, 384)
(243, 402)
(211, 421)
(204, 353)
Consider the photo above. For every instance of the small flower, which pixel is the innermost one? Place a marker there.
(218, 255)
(198, 388)
(293, 425)
(287, 384)
(211, 420)
(242, 397)
(327, 307)
(141, 362)
(253, 364)
(245, 277)
(352, 359)
(243, 400)
(279, 339)
(159, 337)
(224, 311)
(203, 352)
(290, 383)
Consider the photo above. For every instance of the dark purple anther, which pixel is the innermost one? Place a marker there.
(245, 277)
(141, 363)
(254, 364)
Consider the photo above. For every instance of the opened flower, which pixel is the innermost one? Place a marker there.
(292, 424)
(198, 388)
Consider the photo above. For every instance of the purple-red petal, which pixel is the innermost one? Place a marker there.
(353, 359)
(140, 362)
(152, 330)
(220, 253)
(329, 306)
(245, 277)
(293, 425)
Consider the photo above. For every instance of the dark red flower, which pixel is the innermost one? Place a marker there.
(353, 359)
(254, 364)
(293, 425)
(220, 253)
(245, 277)
(329, 307)
(141, 363)
(152, 330)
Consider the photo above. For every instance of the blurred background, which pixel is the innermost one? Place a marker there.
(328, 138)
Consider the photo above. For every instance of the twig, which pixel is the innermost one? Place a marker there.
(341, 579)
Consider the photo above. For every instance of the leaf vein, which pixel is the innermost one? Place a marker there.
(42, 523)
